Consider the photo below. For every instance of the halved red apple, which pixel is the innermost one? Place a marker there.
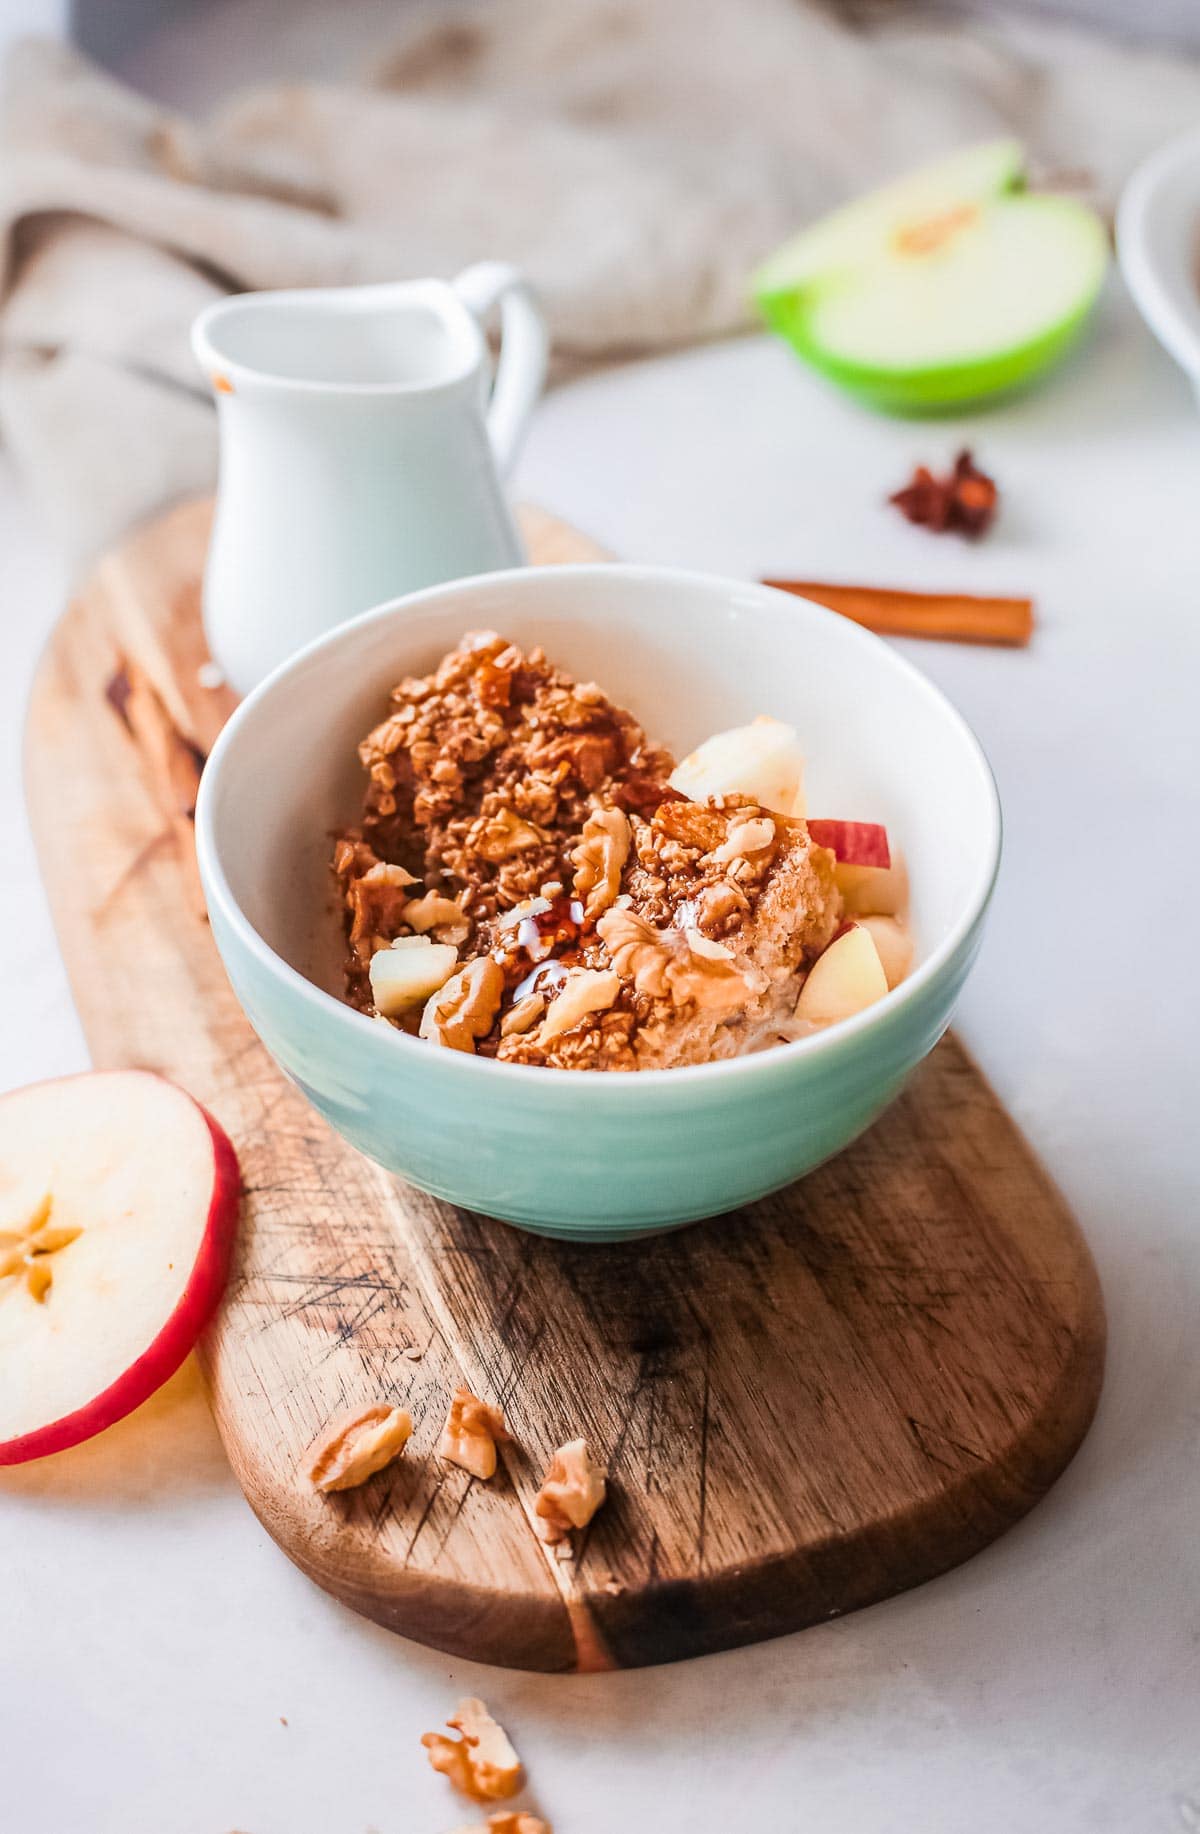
(853, 843)
(118, 1211)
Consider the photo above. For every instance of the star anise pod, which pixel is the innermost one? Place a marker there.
(964, 501)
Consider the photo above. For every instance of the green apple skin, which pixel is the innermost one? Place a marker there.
(794, 286)
(940, 390)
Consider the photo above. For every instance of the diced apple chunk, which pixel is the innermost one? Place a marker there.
(404, 976)
(894, 944)
(762, 760)
(853, 843)
(843, 981)
(873, 891)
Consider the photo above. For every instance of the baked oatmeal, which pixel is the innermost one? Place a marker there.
(528, 883)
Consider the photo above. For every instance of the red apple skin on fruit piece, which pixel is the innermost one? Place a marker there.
(853, 843)
(148, 1174)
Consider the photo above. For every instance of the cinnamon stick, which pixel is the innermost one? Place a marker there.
(964, 617)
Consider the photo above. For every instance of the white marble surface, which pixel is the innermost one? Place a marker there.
(152, 1639)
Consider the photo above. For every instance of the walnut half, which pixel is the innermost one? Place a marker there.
(442, 916)
(498, 837)
(482, 1763)
(357, 1445)
(572, 1491)
(471, 1434)
(509, 1821)
(584, 991)
(671, 964)
(601, 853)
(463, 1010)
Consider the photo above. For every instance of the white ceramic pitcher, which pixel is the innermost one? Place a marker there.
(363, 443)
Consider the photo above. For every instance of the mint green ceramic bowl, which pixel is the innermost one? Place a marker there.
(596, 1157)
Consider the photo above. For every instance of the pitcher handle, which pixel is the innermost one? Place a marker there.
(524, 342)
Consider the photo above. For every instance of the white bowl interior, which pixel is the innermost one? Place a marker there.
(686, 654)
(1158, 240)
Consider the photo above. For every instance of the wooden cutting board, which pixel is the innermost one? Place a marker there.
(805, 1407)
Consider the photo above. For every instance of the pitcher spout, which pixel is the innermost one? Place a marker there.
(399, 338)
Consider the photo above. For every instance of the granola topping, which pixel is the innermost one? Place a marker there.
(602, 851)
(597, 917)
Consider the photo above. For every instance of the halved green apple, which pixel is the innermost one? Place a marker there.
(948, 286)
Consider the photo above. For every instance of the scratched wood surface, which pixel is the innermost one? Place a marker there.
(805, 1407)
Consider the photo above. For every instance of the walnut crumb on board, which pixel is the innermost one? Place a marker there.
(471, 1434)
(481, 1763)
(356, 1445)
(572, 1491)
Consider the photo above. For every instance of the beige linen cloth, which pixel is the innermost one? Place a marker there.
(636, 157)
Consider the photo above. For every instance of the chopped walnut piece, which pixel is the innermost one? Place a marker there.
(443, 916)
(641, 953)
(463, 1010)
(471, 1434)
(482, 1763)
(598, 859)
(357, 1445)
(671, 964)
(720, 906)
(523, 1016)
(377, 903)
(509, 1821)
(692, 824)
(572, 1491)
(752, 835)
(584, 991)
(501, 835)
